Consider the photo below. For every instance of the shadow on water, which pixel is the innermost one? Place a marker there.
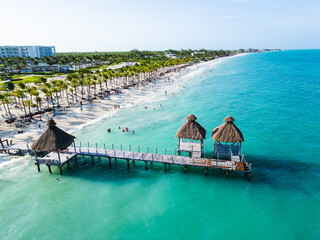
(287, 174)
(119, 172)
(282, 174)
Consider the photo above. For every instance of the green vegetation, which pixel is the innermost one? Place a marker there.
(84, 85)
(98, 59)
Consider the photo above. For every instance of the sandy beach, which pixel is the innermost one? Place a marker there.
(74, 118)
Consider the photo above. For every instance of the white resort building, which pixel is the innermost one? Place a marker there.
(27, 51)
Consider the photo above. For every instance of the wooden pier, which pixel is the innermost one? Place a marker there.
(62, 158)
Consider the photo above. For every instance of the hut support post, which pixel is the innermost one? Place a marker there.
(74, 146)
(60, 167)
(215, 147)
(38, 166)
(49, 167)
(59, 157)
(146, 167)
(128, 164)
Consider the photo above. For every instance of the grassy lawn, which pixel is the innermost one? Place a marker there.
(29, 79)
(18, 76)
(26, 80)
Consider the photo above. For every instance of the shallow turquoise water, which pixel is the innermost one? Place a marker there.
(273, 97)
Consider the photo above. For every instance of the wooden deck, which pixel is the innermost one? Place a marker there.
(159, 158)
(52, 159)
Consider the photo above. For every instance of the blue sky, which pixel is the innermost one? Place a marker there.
(103, 25)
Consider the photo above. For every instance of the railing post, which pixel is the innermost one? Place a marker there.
(156, 150)
(74, 146)
(96, 148)
(147, 149)
(121, 147)
(130, 147)
(88, 147)
(112, 146)
(138, 148)
(105, 151)
(165, 151)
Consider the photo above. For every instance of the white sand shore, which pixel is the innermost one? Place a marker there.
(74, 118)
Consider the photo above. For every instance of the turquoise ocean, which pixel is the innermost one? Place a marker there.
(274, 98)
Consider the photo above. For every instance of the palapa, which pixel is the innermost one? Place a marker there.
(227, 132)
(191, 129)
(53, 139)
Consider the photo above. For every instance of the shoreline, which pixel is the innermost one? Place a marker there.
(74, 119)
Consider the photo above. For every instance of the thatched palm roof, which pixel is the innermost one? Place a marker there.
(53, 139)
(227, 132)
(191, 129)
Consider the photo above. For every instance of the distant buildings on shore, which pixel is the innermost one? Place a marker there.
(27, 51)
(170, 55)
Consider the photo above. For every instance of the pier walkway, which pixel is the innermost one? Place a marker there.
(63, 157)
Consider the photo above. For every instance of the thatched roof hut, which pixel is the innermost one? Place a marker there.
(53, 139)
(191, 129)
(227, 132)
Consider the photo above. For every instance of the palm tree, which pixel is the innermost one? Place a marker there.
(74, 84)
(2, 97)
(39, 100)
(28, 104)
(48, 93)
(72, 90)
(6, 101)
(81, 82)
(65, 86)
(56, 90)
